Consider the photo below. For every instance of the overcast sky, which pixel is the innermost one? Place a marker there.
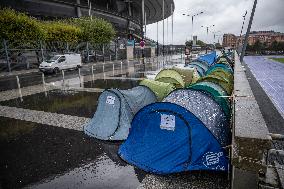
(226, 15)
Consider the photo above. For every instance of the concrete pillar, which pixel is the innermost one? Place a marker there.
(78, 9)
(153, 50)
(129, 52)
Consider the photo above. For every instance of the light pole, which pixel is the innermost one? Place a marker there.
(248, 31)
(214, 36)
(241, 41)
(207, 30)
(192, 21)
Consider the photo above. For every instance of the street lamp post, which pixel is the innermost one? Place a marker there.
(241, 41)
(192, 22)
(248, 31)
(207, 31)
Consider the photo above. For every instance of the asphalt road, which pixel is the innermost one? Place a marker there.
(35, 78)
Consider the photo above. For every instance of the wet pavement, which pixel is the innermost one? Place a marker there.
(44, 146)
(261, 70)
(31, 152)
(269, 75)
(68, 102)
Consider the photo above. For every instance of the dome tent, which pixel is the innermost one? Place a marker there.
(175, 136)
(170, 76)
(115, 111)
(224, 74)
(203, 65)
(199, 68)
(160, 89)
(228, 87)
(189, 75)
(216, 92)
(221, 66)
(210, 58)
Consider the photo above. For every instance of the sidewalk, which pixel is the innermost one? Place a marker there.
(269, 74)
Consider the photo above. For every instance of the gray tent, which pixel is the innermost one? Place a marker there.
(115, 111)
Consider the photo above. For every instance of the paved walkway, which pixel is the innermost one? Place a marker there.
(270, 75)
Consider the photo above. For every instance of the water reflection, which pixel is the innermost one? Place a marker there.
(54, 157)
(111, 83)
(102, 173)
(67, 102)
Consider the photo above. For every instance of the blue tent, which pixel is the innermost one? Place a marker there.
(115, 111)
(200, 70)
(209, 58)
(185, 132)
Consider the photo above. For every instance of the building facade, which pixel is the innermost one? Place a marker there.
(267, 37)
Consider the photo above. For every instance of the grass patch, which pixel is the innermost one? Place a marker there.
(281, 60)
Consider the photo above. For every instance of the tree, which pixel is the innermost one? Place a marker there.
(58, 31)
(200, 43)
(19, 27)
(258, 46)
(218, 46)
(188, 43)
(96, 30)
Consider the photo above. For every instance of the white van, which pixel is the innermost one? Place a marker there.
(61, 62)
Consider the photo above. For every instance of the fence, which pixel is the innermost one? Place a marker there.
(17, 55)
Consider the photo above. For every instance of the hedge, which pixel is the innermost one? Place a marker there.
(20, 27)
(96, 30)
(59, 31)
(15, 26)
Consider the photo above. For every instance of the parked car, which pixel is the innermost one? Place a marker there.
(60, 62)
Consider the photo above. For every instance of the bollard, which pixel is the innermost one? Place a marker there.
(93, 76)
(79, 73)
(63, 78)
(43, 83)
(121, 67)
(92, 70)
(43, 80)
(19, 87)
(112, 69)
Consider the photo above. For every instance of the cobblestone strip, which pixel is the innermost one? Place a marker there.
(47, 118)
(14, 93)
(185, 181)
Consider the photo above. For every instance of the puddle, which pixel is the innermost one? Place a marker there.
(111, 83)
(42, 156)
(82, 104)
(102, 173)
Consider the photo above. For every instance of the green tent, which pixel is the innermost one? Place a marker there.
(170, 76)
(218, 94)
(160, 89)
(228, 87)
(224, 74)
(189, 75)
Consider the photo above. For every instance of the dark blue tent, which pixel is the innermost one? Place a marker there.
(209, 58)
(186, 132)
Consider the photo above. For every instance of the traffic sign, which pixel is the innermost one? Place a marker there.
(142, 44)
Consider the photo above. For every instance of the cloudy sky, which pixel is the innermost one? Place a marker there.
(226, 15)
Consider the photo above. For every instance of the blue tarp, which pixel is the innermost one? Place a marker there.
(115, 111)
(168, 138)
(209, 58)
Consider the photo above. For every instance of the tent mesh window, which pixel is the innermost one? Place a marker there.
(206, 109)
